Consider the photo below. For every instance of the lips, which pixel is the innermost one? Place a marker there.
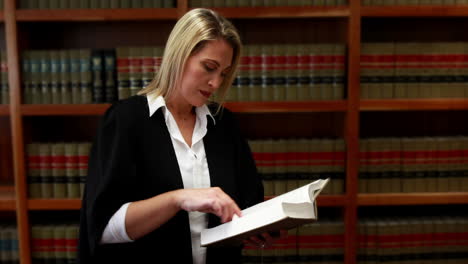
(206, 94)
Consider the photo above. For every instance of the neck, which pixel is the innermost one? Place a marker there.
(183, 111)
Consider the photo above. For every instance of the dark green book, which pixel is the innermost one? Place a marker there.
(110, 87)
(97, 69)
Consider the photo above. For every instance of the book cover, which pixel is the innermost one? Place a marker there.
(286, 211)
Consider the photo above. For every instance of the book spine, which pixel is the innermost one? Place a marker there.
(71, 164)
(135, 68)
(26, 76)
(110, 76)
(292, 79)
(45, 77)
(97, 67)
(55, 77)
(59, 244)
(85, 76)
(71, 243)
(267, 73)
(75, 76)
(58, 170)
(45, 170)
(4, 89)
(83, 156)
(35, 89)
(123, 73)
(65, 77)
(147, 66)
(243, 78)
(279, 72)
(255, 72)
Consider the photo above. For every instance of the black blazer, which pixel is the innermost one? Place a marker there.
(133, 159)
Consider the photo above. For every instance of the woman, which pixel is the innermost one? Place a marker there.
(165, 165)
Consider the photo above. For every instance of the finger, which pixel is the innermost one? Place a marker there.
(232, 204)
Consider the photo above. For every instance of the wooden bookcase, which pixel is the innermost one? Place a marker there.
(24, 29)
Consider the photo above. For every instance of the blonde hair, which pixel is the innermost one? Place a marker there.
(188, 36)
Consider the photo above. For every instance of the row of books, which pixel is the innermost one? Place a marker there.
(9, 244)
(4, 87)
(54, 243)
(136, 67)
(428, 164)
(286, 164)
(412, 2)
(256, 3)
(57, 170)
(413, 240)
(318, 242)
(69, 76)
(293, 72)
(414, 70)
(78, 4)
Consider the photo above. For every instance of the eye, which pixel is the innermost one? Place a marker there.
(209, 69)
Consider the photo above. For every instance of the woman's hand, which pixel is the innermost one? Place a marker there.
(265, 240)
(208, 200)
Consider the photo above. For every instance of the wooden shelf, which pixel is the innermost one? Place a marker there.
(287, 107)
(238, 107)
(284, 12)
(75, 204)
(63, 110)
(4, 110)
(7, 198)
(326, 200)
(415, 11)
(82, 15)
(54, 204)
(413, 104)
(412, 198)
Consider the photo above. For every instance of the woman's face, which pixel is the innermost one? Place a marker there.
(204, 72)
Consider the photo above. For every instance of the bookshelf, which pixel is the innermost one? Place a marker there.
(4, 110)
(351, 24)
(7, 198)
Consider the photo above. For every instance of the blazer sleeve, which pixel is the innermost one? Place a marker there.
(111, 168)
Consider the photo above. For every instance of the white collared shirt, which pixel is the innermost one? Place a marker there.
(193, 168)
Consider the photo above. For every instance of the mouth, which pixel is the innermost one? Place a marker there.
(206, 94)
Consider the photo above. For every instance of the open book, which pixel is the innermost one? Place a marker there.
(283, 212)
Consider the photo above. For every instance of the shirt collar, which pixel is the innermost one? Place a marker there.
(156, 102)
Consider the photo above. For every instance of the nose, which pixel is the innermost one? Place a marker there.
(215, 82)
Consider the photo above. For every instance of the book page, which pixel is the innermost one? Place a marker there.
(297, 204)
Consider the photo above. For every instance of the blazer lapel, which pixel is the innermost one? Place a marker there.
(165, 147)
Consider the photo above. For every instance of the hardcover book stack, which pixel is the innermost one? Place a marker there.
(318, 242)
(136, 67)
(9, 244)
(57, 170)
(74, 4)
(429, 164)
(257, 3)
(412, 2)
(286, 164)
(409, 240)
(280, 72)
(4, 87)
(54, 243)
(414, 70)
(69, 76)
